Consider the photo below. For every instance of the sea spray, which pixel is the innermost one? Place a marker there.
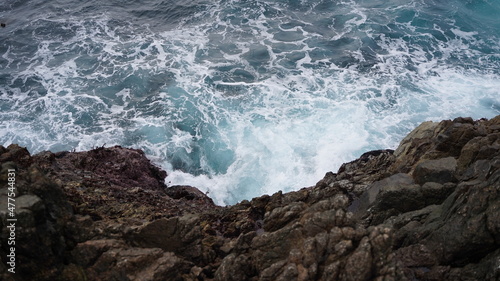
(242, 98)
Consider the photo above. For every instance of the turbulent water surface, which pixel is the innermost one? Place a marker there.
(242, 98)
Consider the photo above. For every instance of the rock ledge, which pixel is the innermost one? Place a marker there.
(430, 210)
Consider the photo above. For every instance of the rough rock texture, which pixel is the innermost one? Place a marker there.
(117, 183)
(430, 210)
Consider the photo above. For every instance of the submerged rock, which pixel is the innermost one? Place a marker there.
(430, 210)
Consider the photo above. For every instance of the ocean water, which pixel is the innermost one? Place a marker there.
(242, 98)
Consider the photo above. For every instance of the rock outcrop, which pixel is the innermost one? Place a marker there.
(430, 210)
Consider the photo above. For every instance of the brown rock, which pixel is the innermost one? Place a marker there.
(428, 211)
(174, 235)
(359, 265)
(188, 193)
(141, 264)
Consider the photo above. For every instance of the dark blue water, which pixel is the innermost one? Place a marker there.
(242, 98)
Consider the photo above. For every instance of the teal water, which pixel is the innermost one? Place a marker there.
(242, 98)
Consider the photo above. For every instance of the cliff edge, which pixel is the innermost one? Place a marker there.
(430, 210)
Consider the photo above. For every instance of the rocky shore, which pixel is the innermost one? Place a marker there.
(430, 210)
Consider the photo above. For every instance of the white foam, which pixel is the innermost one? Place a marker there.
(464, 34)
(282, 131)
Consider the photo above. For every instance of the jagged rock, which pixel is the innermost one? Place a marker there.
(17, 154)
(279, 217)
(427, 211)
(414, 145)
(479, 148)
(188, 193)
(235, 267)
(117, 182)
(371, 166)
(433, 140)
(359, 264)
(30, 202)
(455, 233)
(42, 214)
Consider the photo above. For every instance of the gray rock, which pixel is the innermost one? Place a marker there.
(440, 171)
(30, 202)
(388, 197)
(436, 193)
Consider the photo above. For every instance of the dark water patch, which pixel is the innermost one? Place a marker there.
(289, 36)
(291, 59)
(257, 56)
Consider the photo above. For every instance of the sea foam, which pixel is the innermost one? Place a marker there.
(243, 98)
